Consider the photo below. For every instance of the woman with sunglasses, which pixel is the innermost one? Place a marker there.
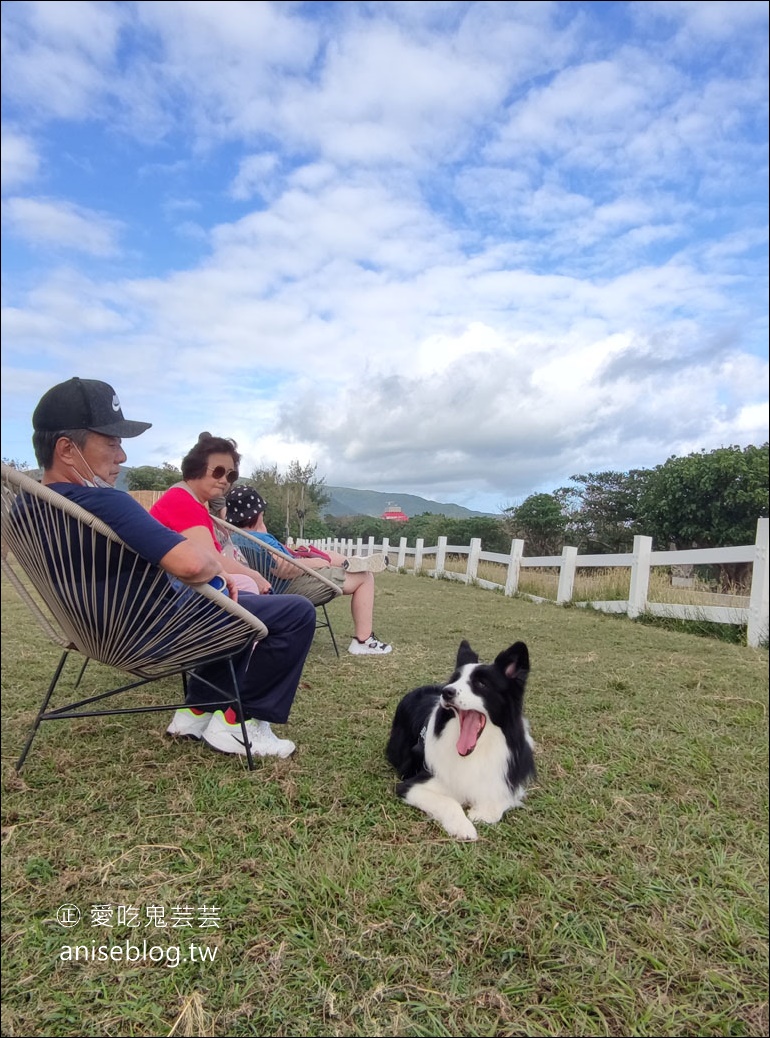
(272, 673)
(208, 472)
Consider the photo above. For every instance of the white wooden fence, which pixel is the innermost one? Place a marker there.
(640, 560)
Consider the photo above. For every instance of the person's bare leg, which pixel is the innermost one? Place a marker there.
(360, 587)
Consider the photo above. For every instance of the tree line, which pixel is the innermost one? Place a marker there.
(707, 499)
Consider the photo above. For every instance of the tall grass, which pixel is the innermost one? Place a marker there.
(606, 585)
(627, 897)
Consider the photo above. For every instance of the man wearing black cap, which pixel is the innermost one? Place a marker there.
(82, 407)
(78, 428)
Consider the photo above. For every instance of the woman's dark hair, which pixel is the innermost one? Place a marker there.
(196, 461)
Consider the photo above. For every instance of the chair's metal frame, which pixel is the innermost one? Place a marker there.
(152, 637)
(260, 559)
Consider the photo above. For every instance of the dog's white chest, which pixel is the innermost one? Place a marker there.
(477, 778)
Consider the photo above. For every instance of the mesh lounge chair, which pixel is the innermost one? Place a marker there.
(140, 622)
(302, 580)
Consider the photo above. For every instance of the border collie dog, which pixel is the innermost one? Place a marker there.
(466, 743)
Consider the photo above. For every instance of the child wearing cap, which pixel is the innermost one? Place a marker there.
(246, 510)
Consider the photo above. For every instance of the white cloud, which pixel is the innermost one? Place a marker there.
(61, 224)
(254, 176)
(505, 421)
(702, 23)
(20, 160)
(64, 310)
(61, 54)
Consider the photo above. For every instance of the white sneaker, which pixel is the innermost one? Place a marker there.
(371, 647)
(224, 737)
(367, 563)
(187, 725)
(265, 743)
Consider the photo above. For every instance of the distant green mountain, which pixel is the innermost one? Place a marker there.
(347, 501)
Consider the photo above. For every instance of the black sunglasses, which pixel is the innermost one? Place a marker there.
(230, 474)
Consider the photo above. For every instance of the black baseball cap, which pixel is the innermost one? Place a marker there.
(244, 504)
(84, 403)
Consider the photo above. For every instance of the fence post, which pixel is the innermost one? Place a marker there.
(385, 545)
(402, 553)
(566, 575)
(419, 544)
(472, 569)
(640, 576)
(370, 546)
(757, 629)
(440, 557)
(514, 567)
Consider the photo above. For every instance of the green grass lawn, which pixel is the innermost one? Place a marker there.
(628, 896)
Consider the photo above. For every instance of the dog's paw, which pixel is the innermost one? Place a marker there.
(464, 830)
(489, 813)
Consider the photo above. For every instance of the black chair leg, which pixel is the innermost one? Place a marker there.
(82, 672)
(75, 709)
(328, 624)
(239, 704)
(42, 710)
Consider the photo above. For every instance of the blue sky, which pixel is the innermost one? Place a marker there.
(461, 250)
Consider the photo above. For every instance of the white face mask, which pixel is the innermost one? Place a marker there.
(95, 481)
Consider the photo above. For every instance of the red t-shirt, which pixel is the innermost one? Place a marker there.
(179, 510)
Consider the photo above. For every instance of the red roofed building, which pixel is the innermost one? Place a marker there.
(394, 514)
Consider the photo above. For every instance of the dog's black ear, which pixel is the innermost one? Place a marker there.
(514, 662)
(465, 654)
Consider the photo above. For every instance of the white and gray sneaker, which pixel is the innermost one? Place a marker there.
(265, 743)
(224, 737)
(369, 647)
(375, 563)
(188, 725)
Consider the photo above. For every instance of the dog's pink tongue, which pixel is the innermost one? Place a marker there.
(471, 723)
